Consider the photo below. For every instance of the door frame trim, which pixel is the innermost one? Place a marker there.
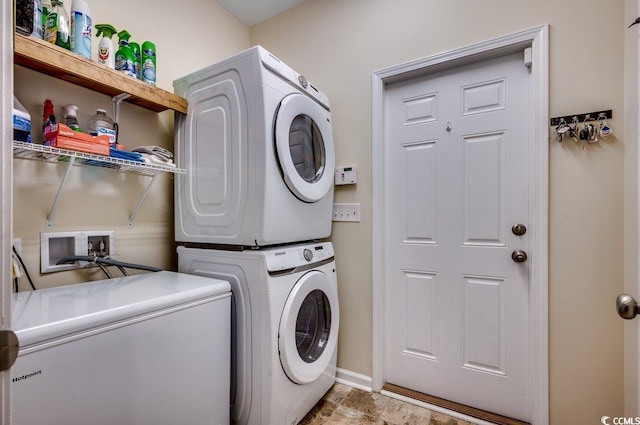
(537, 38)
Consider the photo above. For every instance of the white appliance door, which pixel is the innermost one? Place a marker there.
(308, 332)
(304, 145)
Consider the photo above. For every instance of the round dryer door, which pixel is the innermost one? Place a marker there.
(304, 145)
(308, 333)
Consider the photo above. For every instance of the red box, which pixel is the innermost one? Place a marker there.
(61, 136)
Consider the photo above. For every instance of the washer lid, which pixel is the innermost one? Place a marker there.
(304, 145)
(308, 332)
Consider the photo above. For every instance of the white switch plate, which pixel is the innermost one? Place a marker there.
(346, 212)
(346, 175)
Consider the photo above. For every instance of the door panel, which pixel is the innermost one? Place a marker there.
(457, 179)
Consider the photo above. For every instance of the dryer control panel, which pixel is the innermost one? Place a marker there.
(290, 257)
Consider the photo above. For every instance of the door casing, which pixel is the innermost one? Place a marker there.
(537, 39)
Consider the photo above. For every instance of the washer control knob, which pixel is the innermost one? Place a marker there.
(303, 81)
(308, 255)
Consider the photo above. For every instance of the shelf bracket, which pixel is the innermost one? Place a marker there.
(63, 183)
(142, 198)
(116, 101)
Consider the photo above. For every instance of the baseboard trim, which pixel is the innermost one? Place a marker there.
(353, 379)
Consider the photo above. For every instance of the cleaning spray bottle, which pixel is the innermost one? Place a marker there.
(56, 28)
(48, 117)
(106, 53)
(137, 56)
(124, 55)
(71, 117)
(149, 67)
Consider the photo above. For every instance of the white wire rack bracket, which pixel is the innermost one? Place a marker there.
(74, 158)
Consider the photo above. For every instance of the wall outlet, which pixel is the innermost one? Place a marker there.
(346, 212)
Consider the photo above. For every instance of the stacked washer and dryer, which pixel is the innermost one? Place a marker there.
(258, 195)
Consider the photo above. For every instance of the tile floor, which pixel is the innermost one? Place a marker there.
(346, 405)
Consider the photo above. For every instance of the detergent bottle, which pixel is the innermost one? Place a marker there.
(124, 55)
(56, 28)
(81, 28)
(106, 53)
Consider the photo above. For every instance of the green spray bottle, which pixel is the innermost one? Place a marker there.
(106, 53)
(124, 55)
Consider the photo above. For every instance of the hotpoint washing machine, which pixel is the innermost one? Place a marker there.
(257, 143)
(284, 327)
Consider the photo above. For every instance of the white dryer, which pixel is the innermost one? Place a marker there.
(285, 319)
(257, 143)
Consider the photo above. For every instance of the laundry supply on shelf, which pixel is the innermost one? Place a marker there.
(48, 117)
(61, 136)
(155, 155)
(137, 59)
(37, 19)
(81, 28)
(21, 122)
(24, 16)
(106, 52)
(101, 124)
(71, 117)
(56, 28)
(149, 67)
(124, 55)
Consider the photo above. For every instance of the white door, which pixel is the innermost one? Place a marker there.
(457, 180)
(304, 144)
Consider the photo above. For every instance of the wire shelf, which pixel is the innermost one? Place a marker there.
(50, 154)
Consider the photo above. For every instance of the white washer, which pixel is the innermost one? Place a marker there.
(285, 319)
(257, 143)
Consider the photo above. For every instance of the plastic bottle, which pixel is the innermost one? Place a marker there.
(124, 55)
(37, 19)
(48, 117)
(71, 117)
(21, 122)
(106, 53)
(101, 124)
(46, 8)
(137, 63)
(149, 62)
(81, 28)
(56, 29)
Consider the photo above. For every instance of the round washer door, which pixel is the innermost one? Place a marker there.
(304, 145)
(308, 332)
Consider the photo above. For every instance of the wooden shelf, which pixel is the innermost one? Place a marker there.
(52, 60)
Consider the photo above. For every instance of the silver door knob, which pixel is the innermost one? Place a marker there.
(519, 256)
(627, 306)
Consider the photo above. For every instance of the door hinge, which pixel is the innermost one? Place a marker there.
(9, 347)
(528, 57)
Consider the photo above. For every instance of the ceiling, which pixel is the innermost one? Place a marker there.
(252, 12)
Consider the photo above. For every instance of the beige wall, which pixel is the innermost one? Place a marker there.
(337, 44)
(97, 199)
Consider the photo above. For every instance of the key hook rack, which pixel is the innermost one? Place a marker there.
(586, 127)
